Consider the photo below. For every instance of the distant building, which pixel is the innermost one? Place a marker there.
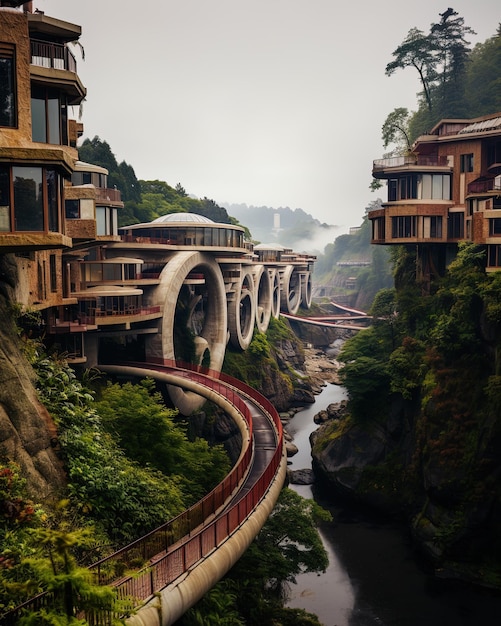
(448, 190)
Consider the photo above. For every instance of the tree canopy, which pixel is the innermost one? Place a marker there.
(455, 80)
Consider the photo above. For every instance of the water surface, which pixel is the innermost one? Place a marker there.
(375, 577)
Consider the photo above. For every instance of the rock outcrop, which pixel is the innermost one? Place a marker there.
(27, 432)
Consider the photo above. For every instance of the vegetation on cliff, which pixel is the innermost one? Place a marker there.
(423, 428)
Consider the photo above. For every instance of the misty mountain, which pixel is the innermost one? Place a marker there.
(292, 228)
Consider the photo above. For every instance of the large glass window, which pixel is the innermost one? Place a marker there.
(466, 162)
(495, 227)
(420, 187)
(28, 198)
(8, 115)
(403, 226)
(455, 226)
(48, 116)
(432, 227)
(34, 201)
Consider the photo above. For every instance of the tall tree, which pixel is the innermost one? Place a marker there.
(416, 51)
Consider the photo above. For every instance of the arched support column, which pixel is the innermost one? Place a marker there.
(242, 312)
(306, 290)
(275, 291)
(290, 290)
(210, 340)
(263, 296)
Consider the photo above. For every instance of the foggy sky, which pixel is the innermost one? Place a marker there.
(264, 102)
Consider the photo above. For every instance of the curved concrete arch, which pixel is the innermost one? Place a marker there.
(307, 290)
(275, 292)
(242, 312)
(263, 296)
(290, 290)
(212, 336)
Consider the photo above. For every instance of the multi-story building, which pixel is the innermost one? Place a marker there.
(101, 289)
(446, 191)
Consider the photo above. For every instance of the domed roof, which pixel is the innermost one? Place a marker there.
(269, 246)
(182, 217)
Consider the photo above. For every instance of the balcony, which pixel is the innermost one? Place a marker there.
(414, 160)
(485, 185)
(108, 196)
(52, 55)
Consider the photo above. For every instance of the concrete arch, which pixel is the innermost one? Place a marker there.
(290, 290)
(211, 337)
(263, 296)
(307, 290)
(242, 312)
(275, 292)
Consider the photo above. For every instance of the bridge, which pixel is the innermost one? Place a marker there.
(344, 319)
(187, 555)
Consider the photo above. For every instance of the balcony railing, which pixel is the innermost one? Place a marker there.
(108, 195)
(52, 55)
(93, 315)
(400, 161)
(483, 186)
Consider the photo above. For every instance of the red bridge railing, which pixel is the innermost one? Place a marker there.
(171, 549)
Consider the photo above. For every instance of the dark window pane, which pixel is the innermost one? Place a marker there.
(72, 208)
(53, 200)
(38, 120)
(4, 199)
(28, 198)
(7, 92)
(53, 118)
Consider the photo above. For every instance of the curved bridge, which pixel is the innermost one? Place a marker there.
(187, 555)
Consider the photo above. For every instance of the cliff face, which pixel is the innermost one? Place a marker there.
(26, 428)
(433, 466)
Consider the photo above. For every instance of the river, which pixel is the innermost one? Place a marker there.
(374, 577)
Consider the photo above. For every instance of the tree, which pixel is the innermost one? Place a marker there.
(416, 51)
(55, 570)
(396, 130)
(440, 60)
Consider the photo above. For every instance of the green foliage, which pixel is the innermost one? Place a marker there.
(104, 485)
(56, 570)
(396, 130)
(146, 430)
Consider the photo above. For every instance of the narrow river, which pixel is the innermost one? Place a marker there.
(374, 577)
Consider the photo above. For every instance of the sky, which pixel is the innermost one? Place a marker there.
(275, 103)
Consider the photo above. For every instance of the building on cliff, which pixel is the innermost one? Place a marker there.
(447, 190)
(105, 292)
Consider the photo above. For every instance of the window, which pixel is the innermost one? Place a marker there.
(432, 227)
(28, 198)
(35, 200)
(49, 116)
(72, 209)
(466, 161)
(495, 226)
(8, 112)
(378, 229)
(455, 226)
(403, 226)
(420, 187)
(494, 256)
(53, 273)
(4, 199)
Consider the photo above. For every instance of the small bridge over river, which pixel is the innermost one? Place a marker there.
(347, 318)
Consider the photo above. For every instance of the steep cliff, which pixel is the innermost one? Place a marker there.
(421, 435)
(26, 429)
